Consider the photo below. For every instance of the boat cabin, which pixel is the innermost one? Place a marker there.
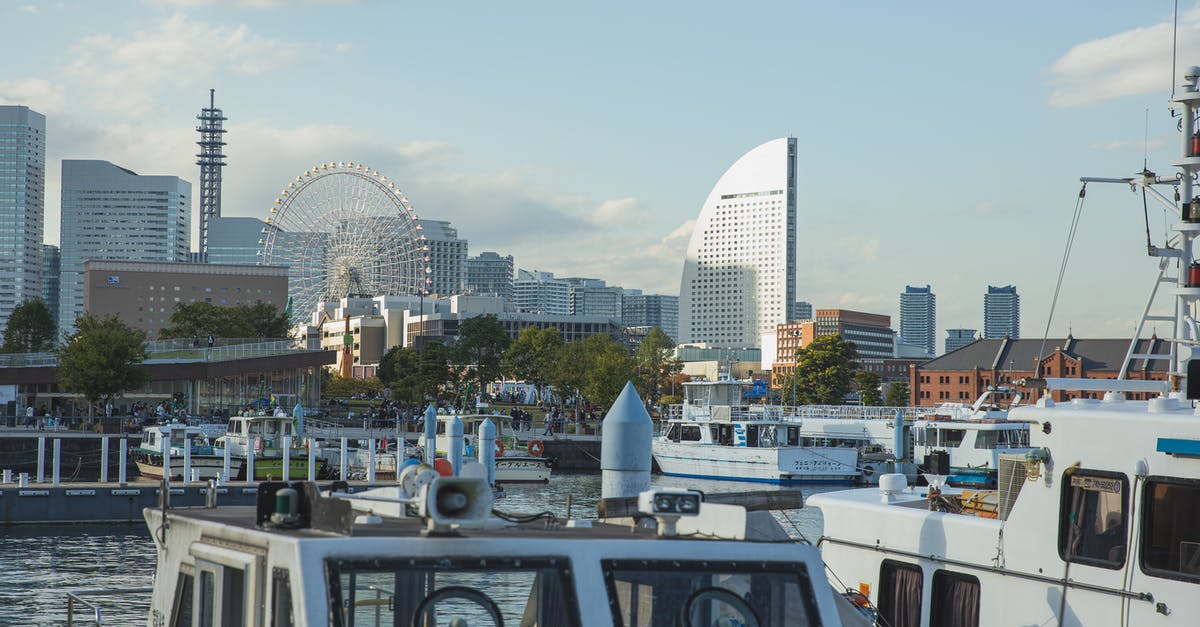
(264, 433)
(176, 435)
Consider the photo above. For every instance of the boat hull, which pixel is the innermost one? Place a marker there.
(783, 465)
(210, 467)
(522, 470)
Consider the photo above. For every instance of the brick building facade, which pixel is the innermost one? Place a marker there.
(962, 376)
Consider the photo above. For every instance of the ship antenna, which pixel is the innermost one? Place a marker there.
(1062, 270)
(1174, 49)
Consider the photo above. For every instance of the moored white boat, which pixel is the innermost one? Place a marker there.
(1097, 523)
(517, 460)
(713, 435)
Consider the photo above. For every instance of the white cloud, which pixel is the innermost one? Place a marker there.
(1124, 64)
(683, 231)
(122, 73)
(36, 93)
(28, 8)
(862, 249)
(614, 211)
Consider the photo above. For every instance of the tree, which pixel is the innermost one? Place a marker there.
(824, 369)
(654, 365)
(609, 368)
(31, 328)
(867, 383)
(535, 356)
(898, 394)
(413, 374)
(202, 319)
(481, 344)
(102, 358)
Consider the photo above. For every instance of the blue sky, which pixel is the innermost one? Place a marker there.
(941, 142)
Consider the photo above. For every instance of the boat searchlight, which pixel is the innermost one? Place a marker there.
(668, 505)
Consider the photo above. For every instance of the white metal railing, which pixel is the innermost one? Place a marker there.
(784, 412)
(179, 349)
(96, 617)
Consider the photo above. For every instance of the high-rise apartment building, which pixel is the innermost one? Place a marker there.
(111, 213)
(651, 310)
(51, 266)
(739, 275)
(958, 338)
(592, 297)
(803, 311)
(1001, 313)
(447, 257)
(541, 293)
(22, 206)
(918, 318)
(490, 274)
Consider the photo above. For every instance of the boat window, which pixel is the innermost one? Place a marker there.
(208, 598)
(646, 592)
(899, 594)
(793, 436)
(986, 439)
(673, 432)
(182, 612)
(724, 434)
(920, 436)
(475, 591)
(951, 437)
(220, 599)
(1093, 518)
(1170, 535)
(689, 433)
(751, 435)
(178, 438)
(281, 599)
(955, 600)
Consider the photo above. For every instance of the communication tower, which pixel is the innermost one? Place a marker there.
(211, 160)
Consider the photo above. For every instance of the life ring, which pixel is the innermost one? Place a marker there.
(536, 447)
(499, 447)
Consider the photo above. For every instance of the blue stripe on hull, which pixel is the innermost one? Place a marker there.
(847, 480)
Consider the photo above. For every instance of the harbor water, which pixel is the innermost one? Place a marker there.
(40, 564)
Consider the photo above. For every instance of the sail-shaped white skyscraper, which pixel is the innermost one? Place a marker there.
(739, 276)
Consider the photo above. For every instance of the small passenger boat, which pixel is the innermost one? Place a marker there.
(517, 460)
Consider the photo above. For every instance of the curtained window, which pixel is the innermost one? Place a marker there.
(955, 600)
(1093, 517)
(899, 594)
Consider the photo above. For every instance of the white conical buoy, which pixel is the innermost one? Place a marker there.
(625, 447)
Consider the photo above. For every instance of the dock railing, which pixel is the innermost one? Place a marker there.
(76, 597)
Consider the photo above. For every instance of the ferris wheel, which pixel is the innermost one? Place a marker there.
(343, 229)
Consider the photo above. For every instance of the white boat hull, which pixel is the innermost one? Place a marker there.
(781, 465)
(523, 469)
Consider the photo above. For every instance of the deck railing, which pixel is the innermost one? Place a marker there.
(94, 614)
(785, 412)
(176, 350)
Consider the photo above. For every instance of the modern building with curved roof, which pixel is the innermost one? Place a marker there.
(739, 276)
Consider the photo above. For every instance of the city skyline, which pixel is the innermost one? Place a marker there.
(600, 172)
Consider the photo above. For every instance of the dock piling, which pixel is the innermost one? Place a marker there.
(455, 432)
(312, 459)
(55, 472)
(7, 478)
(225, 463)
(370, 461)
(23, 480)
(250, 464)
(121, 465)
(187, 462)
(41, 469)
(104, 460)
(430, 435)
(167, 463)
(487, 448)
(342, 461)
(287, 458)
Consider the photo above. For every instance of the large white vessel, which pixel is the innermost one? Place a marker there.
(1097, 524)
(714, 435)
(431, 552)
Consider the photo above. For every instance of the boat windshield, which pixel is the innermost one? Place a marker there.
(674, 592)
(495, 591)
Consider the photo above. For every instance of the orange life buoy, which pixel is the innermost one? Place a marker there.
(536, 447)
(499, 447)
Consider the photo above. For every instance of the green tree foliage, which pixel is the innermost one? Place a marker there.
(341, 387)
(102, 358)
(898, 394)
(481, 346)
(609, 368)
(534, 356)
(824, 369)
(413, 375)
(31, 328)
(655, 366)
(570, 370)
(867, 383)
(201, 319)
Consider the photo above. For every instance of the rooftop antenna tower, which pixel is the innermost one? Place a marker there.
(211, 160)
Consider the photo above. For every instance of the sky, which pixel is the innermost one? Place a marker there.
(940, 143)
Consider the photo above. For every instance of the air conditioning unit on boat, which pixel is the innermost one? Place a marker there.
(1009, 479)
